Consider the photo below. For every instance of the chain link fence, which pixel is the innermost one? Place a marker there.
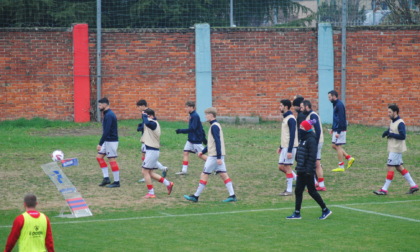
(218, 13)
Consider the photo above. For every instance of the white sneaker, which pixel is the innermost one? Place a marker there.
(181, 173)
(141, 180)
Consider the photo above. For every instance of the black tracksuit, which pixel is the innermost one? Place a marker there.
(306, 164)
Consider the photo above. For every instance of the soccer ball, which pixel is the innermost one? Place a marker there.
(57, 155)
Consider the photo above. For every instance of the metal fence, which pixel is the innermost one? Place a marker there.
(218, 13)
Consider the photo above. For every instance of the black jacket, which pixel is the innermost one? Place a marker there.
(306, 153)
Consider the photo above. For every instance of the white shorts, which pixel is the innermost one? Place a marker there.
(193, 148)
(283, 160)
(109, 149)
(394, 159)
(151, 159)
(143, 148)
(341, 140)
(318, 154)
(211, 165)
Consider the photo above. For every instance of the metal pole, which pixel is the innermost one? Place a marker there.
(343, 51)
(231, 14)
(98, 56)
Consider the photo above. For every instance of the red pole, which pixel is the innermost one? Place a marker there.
(81, 73)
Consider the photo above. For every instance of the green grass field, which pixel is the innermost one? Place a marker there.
(123, 221)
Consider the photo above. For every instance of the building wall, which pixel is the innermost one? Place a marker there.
(253, 69)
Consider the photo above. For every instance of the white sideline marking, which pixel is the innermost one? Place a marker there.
(166, 215)
(376, 213)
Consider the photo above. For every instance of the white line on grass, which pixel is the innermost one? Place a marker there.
(166, 215)
(376, 213)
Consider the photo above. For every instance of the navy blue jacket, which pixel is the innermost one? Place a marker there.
(195, 130)
(109, 127)
(339, 117)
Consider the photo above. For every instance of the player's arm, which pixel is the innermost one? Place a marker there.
(14, 233)
(150, 124)
(401, 132)
(215, 131)
(317, 127)
(49, 242)
(106, 130)
(292, 130)
(140, 127)
(341, 118)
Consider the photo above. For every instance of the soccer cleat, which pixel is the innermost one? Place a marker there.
(105, 182)
(181, 173)
(294, 216)
(149, 196)
(338, 169)
(380, 192)
(165, 171)
(231, 198)
(114, 184)
(350, 163)
(286, 193)
(169, 187)
(413, 189)
(325, 214)
(141, 180)
(323, 189)
(192, 198)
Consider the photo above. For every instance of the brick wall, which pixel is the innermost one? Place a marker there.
(252, 70)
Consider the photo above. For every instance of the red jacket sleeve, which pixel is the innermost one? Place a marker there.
(49, 242)
(14, 233)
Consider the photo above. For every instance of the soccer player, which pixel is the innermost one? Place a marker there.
(196, 136)
(300, 117)
(31, 230)
(216, 158)
(317, 126)
(151, 140)
(142, 105)
(396, 135)
(306, 163)
(108, 145)
(339, 131)
(288, 145)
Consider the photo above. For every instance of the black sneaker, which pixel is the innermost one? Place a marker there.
(413, 189)
(105, 182)
(115, 184)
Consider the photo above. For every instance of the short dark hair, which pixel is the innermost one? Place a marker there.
(30, 200)
(298, 100)
(142, 103)
(190, 104)
(149, 112)
(286, 102)
(307, 103)
(333, 93)
(104, 100)
(394, 108)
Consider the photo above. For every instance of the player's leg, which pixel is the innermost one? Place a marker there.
(404, 172)
(392, 164)
(149, 164)
(104, 168)
(185, 158)
(209, 167)
(221, 170)
(148, 180)
(169, 185)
